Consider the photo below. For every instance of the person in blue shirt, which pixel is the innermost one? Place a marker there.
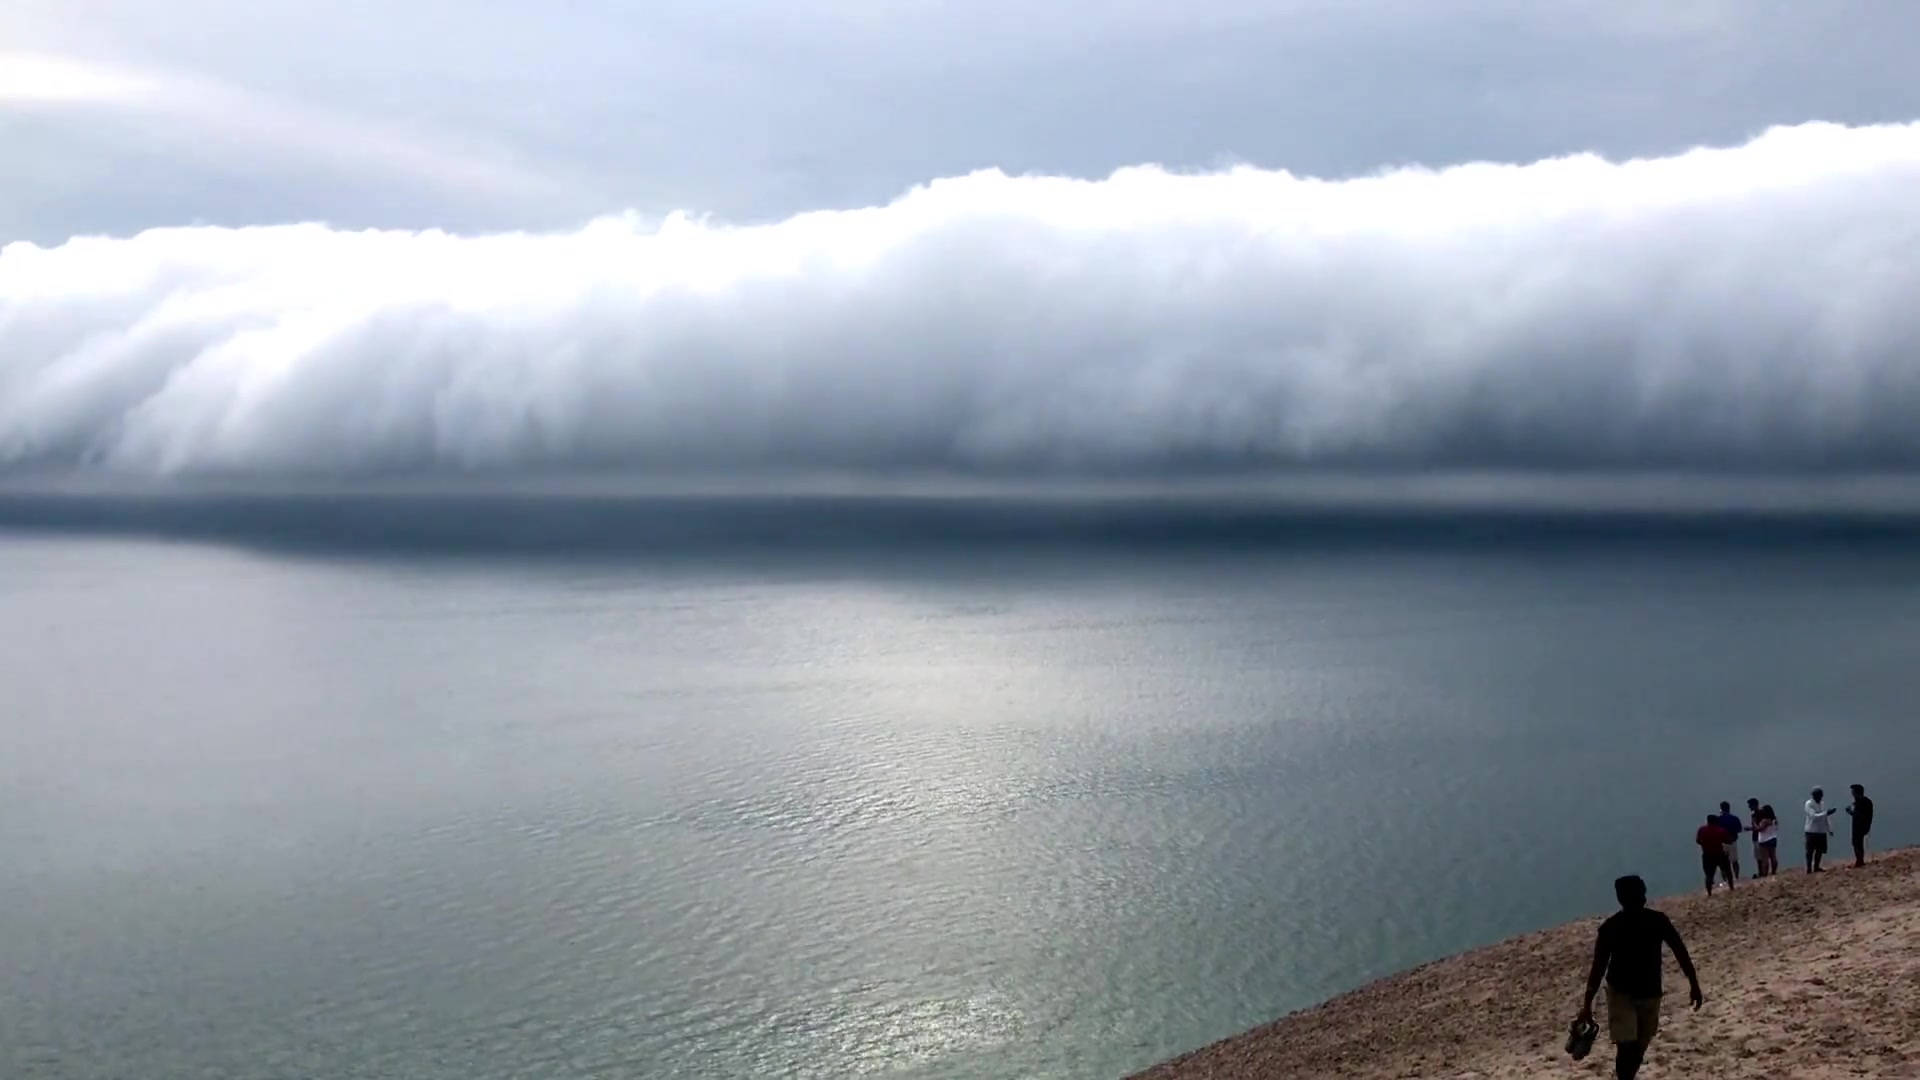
(1729, 823)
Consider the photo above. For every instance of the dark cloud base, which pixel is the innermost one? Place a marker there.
(723, 527)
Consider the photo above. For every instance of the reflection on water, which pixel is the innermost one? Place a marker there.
(1050, 816)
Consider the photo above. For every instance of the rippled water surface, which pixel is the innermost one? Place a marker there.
(961, 816)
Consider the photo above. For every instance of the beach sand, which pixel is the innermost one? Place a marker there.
(1805, 976)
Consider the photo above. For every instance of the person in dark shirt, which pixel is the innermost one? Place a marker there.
(1626, 953)
(1862, 814)
(1713, 841)
(1729, 823)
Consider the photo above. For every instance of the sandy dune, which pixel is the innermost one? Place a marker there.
(1810, 977)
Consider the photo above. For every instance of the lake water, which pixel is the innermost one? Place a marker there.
(1029, 813)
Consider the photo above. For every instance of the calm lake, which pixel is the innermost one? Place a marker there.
(931, 812)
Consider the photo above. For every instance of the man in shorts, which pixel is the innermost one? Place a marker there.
(1729, 823)
(1626, 953)
(1753, 830)
(1819, 827)
(1713, 841)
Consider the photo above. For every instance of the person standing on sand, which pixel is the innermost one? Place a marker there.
(1753, 830)
(1729, 823)
(1713, 841)
(1766, 840)
(1626, 953)
(1862, 814)
(1819, 826)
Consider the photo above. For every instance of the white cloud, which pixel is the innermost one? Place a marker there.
(1746, 308)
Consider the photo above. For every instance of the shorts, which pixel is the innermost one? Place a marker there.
(1716, 861)
(1631, 1019)
(1816, 843)
(1733, 852)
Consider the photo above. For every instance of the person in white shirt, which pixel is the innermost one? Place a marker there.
(1819, 827)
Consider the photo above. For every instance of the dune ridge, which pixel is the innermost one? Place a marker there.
(1810, 977)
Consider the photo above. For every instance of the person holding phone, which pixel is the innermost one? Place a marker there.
(1819, 827)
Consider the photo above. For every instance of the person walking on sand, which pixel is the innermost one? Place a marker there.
(1862, 814)
(1626, 953)
(1713, 841)
(1819, 827)
(1729, 823)
(1766, 840)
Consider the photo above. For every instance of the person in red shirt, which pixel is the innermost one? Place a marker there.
(1713, 841)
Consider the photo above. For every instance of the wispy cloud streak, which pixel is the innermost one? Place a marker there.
(204, 113)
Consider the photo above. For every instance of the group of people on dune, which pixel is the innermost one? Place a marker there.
(1627, 951)
(1719, 838)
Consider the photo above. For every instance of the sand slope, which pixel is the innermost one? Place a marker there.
(1811, 977)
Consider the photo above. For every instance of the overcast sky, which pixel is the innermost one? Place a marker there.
(1296, 235)
(480, 115)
